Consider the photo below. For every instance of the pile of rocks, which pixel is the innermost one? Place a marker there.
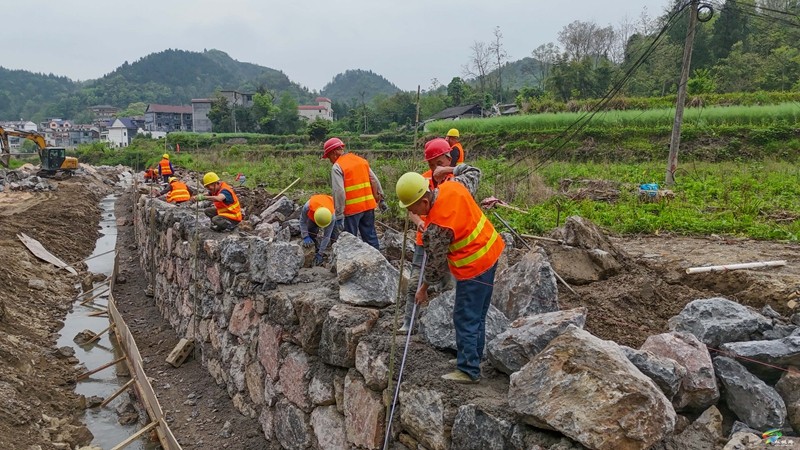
(306, 350)
(22, 181)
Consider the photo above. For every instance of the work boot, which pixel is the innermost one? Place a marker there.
(460, 377)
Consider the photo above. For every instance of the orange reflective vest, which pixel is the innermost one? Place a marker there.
(357, 187)
(476, 245)
(164, 166)
(458, 146)
(179, 193)
(429, 176)
(319, 201)
(232, 211)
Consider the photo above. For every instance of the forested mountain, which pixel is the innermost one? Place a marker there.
(23, 93)
(350, 85)
(171, 77)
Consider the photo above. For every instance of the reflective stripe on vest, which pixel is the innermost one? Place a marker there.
(429, 176)
(232, 211)
(460, 152)
(165, 169)
(179, 193)
(357, 187)
(319, 201)
(476, 245)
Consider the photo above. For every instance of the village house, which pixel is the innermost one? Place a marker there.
(121, 132)
(322, 110)
(167, 118)
(200, 109)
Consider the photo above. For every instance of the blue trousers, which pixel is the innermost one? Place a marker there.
(363, 224)
(473, 298)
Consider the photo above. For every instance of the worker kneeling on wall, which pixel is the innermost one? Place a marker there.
(458, 236)
(176, 191)
(317, 214)
(226, 214)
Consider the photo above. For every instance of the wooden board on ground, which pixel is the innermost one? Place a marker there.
(40, 252)
(181, 351)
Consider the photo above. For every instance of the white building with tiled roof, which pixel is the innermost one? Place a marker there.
(323, 110)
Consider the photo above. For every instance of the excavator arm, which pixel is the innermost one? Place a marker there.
(5, 148)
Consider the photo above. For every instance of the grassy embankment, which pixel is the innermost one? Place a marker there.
(736, 174)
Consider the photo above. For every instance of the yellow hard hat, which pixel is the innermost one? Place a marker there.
(209, 178)
(410, 188)
(166, 155)
(323, 217)
(171, 179)
(452, 133)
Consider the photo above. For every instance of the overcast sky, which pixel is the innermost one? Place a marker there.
(409, 42)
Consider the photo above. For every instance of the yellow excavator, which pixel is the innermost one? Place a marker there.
(53, 159)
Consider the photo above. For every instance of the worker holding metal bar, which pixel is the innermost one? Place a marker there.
(459, 237)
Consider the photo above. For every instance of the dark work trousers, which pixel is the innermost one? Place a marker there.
(413, 283)
(473, 297)
(363, 224)
(219, 223)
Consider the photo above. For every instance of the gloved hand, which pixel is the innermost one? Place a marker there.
(340, 225)
(317, 260)
(308, 242)
(200, 197)
(383, 206)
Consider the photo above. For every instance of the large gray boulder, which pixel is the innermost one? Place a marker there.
(755, 403)
(278, 211)
(436, 322)
(759, 356)
(698, 389)
(703, 434)
(665, 372)
(274, 262)
(789, 389)
(581, 266)
(392, 244)
(424, 413)
(365, 277)
(526, 288)
(474, 429)
(529, 335)
(582, 233)
(586, 388)
(716, 321)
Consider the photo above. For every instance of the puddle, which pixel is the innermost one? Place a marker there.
(102, 422)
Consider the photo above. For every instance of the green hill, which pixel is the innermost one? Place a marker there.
(349, 86)
(169, 77)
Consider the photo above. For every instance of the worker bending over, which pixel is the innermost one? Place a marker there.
(165, 168)
(226, 214)
(437, 155)
(176, 191)
(458, 236)
(317, 214)
(356, 192)
(457, 151)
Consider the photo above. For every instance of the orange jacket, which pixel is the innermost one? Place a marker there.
(431, 186)
(179, 193)
(317, 201)
(476, 245)
(357, 186)
(232, 211)
(460, 152)
(166, 169)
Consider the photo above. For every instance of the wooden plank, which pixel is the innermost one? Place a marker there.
(103, 367)
(116, 394)
(40, 252)
(181, 351)
(135, 436)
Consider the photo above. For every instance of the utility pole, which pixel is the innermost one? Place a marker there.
(675, 139)
(416, 123)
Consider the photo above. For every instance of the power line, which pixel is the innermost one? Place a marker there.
(583, 120)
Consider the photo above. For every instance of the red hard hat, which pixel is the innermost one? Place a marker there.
(436, 148)
(331, 145)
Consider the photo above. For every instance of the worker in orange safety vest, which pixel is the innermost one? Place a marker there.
(165, 168)
(176, 191)
(226, 214)
(457, 151)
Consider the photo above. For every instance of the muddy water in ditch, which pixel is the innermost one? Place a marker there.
(102, 422)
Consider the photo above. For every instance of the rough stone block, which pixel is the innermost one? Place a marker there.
(665, 372)
(234, 254)
(581, 266)
(436, 322)
(782, 353)
(312, 309)
(295, 376)
(365, 277)
(372, 363)
(328, 426)
(698, 388)
(274, 262)
(244, 319)
(269, 344)
(343, 328)
(364, 413)
(320, 390)
(756, 404)
(266, 419)
(526, 288)
(529, 335)
(715, 321)
(291, 426)
(789, 389)
(254, 379)
(586, 388)
(281, 307)
(474, 429)
(423, 414)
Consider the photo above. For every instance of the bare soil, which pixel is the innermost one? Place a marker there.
(34, 381)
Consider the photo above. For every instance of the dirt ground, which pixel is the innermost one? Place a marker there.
(34, 381)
